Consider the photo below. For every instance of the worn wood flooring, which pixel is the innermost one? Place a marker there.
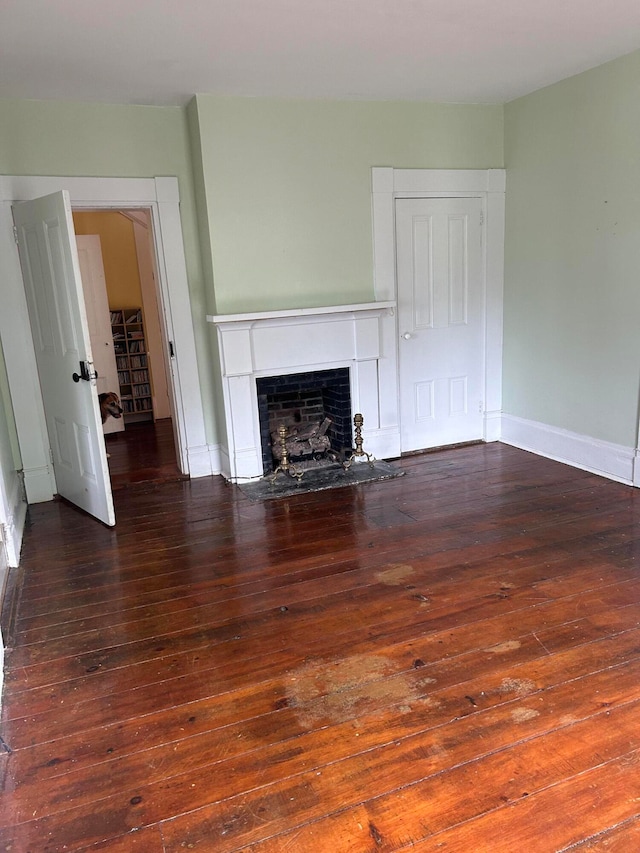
(448, 661)
(145, 452)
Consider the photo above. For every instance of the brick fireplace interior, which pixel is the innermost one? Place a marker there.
(300, 399)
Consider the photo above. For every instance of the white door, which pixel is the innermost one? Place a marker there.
(53, 286)
(441, 320)
(94, 287)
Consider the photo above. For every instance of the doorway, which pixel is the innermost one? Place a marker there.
(389, 188)
(161, 197)
(122, 283)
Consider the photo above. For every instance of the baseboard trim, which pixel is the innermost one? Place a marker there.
(492, 426)
(614, 461)
(39, 484)
(14, 531)
(204, 460)
(382, 443)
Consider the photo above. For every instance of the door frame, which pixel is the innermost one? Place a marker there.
(161, 197)
(389, 184)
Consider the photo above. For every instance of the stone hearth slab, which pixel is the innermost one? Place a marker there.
(317, 480)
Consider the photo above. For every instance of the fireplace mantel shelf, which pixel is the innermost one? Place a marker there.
(257, 316)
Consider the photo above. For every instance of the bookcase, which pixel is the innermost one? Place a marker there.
(132, 362)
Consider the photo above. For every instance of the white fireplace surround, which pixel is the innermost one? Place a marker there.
(275, 343)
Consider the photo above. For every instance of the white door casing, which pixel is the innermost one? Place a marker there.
(158, 355)
(99, 319)
(388, 185)
(441, 321)
(60, 333)
(160, 196)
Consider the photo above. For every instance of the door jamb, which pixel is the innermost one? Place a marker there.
(161, 196)
(388, 184)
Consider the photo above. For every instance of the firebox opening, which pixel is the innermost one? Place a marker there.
(316, 409)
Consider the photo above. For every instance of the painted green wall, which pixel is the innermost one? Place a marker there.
(281, 191)
(288, 188)
(106, 140)
(572, 294)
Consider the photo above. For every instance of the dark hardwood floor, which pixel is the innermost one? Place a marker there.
(447, 661)
(145, 452)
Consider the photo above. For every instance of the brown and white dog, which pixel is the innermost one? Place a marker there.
(109, 405)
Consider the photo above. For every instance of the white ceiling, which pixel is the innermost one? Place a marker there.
(164, 51)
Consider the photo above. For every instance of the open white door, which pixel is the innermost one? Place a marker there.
(49, 259)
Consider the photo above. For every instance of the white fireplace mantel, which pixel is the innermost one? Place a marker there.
(272, 343)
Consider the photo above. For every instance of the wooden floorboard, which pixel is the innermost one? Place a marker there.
(447, 661)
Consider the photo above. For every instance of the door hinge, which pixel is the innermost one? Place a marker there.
(51, 456)
(171, 352)
(15, 234)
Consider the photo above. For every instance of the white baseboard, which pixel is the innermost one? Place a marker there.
(248, 465)
(225, 461)
(492, 426)
(383, 443)
(13, 532)
(39, 484)
(614, 461)
(205, 461)
(215, 458)
(12, 527)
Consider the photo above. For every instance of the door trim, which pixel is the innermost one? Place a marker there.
(388, 184)
(161, 197)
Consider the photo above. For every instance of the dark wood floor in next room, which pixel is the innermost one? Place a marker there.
(144, 452)
(447, 661)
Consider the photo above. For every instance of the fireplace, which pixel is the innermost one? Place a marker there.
(302, 401)
(355, 341)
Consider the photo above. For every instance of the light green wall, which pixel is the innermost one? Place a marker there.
(282, 188)
(288, 188)
(81, 139)
(572, 288)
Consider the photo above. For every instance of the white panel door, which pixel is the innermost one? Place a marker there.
(441, 320)
(53, 286)
(94, 287)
